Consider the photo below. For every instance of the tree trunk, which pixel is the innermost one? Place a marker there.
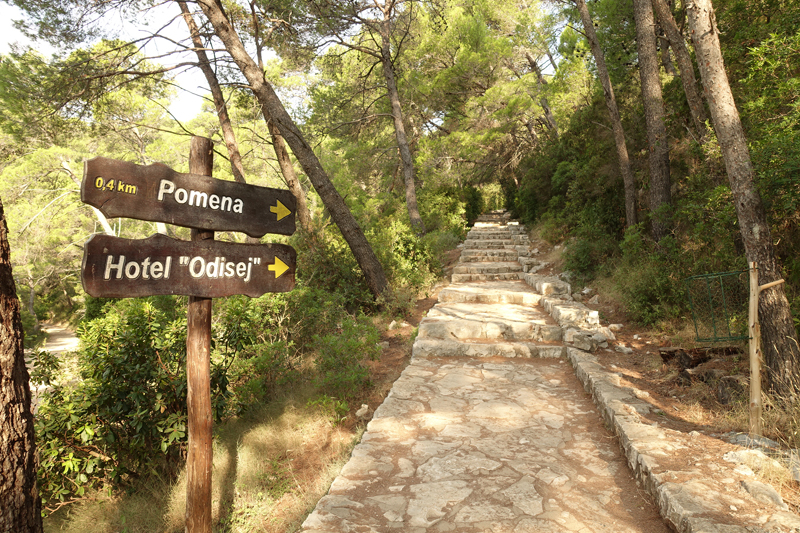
(216, 93)
(265, 94)
(654, 117)
(20, 504)
(548, 114)
(666, 62)
(685, 65)
(399, 128)
(779, 338)
(287, 169)
(613, 111)
(284, 162)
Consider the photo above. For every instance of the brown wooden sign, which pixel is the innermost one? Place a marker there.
(119, 268)
(157, 193)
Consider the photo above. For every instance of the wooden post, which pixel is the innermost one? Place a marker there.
(198, 376)
(755, 354)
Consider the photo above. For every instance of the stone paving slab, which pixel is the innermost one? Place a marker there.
(488, 267)
(491, 292)
(472, 446)
(488, 321)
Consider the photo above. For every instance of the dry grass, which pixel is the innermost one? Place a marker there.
(270, 469)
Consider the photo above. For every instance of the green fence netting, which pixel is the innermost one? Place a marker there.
(719, 305)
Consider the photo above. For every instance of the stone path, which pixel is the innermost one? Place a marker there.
(59, 340)
(487, 429)
(490, 427)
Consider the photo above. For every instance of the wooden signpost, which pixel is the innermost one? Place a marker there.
(159, 194)
(115, 268)
(201, 268)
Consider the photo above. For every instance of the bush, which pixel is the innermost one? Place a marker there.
(340, 356)
(588, 252)
(126, 417)
(649, 278)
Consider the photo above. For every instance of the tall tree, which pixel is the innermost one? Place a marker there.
(548, 113)
(269, 101)
(660, 196)
(685, 65)
(20, 504)
(228, 135)
(613, 111)
(378, 35)
(779, 337)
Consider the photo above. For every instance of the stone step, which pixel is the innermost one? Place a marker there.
(493, 267)
(486, 244)
(490, 292)
(547, 285)
(427, 347)
(489, 232)
(468, 256)
(492, 237)
(462, 321)
(465, 278)
(571, 314)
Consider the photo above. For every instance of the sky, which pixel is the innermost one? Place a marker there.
(185, 105)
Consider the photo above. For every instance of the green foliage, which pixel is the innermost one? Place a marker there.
(34, 335)
(649, 277)
(324, 259)
(46, 367)
(340, 356)
(126, 416)
(474, 203)
(588, 252)
(277, 337)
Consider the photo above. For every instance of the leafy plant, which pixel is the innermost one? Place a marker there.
(129, 402)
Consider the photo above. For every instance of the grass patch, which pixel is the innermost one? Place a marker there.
(271, 466)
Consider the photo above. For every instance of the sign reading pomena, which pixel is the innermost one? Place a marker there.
(157, 193)
(120, 268)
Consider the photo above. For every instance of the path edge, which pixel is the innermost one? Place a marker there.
(617, 406)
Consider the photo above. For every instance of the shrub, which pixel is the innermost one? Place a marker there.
(341, 354)
(649, 277)
(588, 252)
(126, 416)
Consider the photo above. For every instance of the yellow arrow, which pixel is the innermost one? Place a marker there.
(280, 210)
(279, 267)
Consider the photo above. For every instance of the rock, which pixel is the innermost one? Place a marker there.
(683, 359)
(753, 458)
(764, 493)
(606, 332)
(364, 413)
(693, 374)
(384, 345)
(794, 467)
(743, 439)
(623, 349)
(584, 341)
(615, 327)
(594, 300)
(729, 388)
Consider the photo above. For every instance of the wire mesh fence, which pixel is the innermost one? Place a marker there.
(719, 305)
